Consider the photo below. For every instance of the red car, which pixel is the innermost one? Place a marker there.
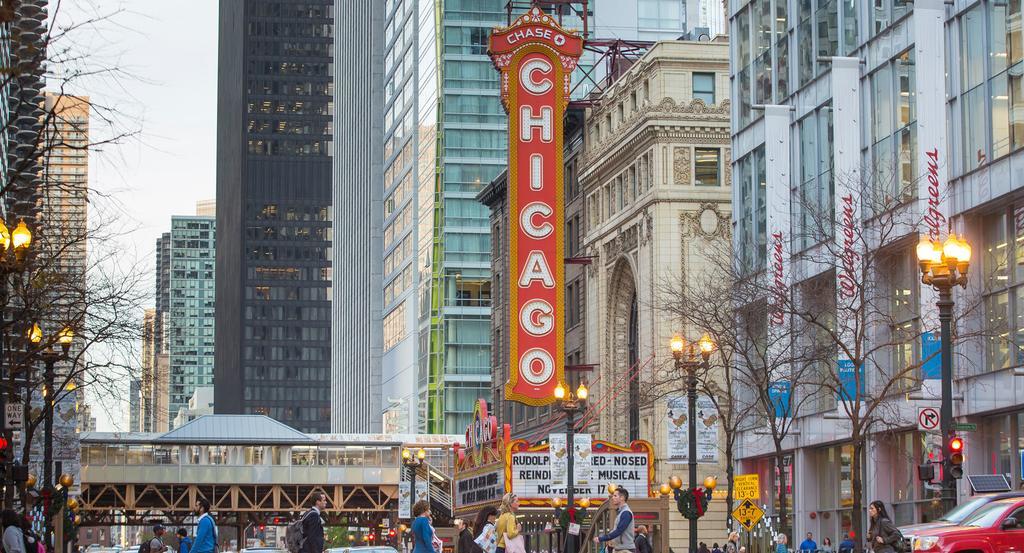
(997, 527)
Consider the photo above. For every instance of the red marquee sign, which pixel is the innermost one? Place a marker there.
(536, 58)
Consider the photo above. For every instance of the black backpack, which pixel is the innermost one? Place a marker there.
(144, 547)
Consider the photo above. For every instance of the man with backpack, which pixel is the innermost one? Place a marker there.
(155, 545)
(306, 535)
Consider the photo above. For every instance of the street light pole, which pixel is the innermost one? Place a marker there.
(944, 266)
(945, 305)
(570, 403)
(687, 366)
(413, 461)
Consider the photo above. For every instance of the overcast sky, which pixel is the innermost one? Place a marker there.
(170, 49)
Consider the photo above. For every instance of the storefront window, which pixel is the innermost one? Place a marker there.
(1004, 294)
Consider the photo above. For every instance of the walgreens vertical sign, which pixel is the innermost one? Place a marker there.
(535, 57)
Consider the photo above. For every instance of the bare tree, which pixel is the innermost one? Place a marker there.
(753, 361)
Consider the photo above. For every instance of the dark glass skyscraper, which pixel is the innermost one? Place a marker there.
(274, 143)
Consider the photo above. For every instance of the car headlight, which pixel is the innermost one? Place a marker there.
(924, 543)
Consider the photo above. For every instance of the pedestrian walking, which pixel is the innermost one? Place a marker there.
(465, 543)
(781, 542)
(156, 545)
(643, 539)
(487, 536)
(206, 529)
(733, 544)
(622, 537)
(715, 548)
(703, 548)
(883, 536)
(313, 526)
(184, 543)
(507, 526)
(826, 546)
(847, 545)
(808, 545)
(14, 538)
(422, 530)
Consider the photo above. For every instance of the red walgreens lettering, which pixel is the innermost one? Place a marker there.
(934, 217)
(779, 288)
(847, 277)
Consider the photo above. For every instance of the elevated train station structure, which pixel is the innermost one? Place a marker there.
(253, 470)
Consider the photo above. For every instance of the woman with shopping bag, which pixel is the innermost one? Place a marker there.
(510, 538)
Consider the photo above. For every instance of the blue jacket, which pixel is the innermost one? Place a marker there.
(423, 535)
(184, 545)
(808, 545)
(206, 536)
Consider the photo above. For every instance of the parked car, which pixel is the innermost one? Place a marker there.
(957, 515)
(363, 549)
(996, 527)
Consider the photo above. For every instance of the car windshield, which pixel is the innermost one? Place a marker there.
(961, 512)
(986, 516)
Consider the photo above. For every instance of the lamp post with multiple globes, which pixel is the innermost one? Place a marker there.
(943, 266)
(571, 404)
(413, 460)
(690, 356)
(14, 249)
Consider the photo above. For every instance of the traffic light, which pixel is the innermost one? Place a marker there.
(926, 472)
(956, 457)
(5, 449)
(391, 533)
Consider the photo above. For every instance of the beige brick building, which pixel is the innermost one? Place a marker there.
(655, 181)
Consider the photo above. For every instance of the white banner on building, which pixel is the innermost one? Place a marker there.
(405, 502)
(559, 458)
(583, 453)
(848, 229)
(932, 157)
(776, 122)
(678, 431)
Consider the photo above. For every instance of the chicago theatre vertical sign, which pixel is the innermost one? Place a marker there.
(536, 58)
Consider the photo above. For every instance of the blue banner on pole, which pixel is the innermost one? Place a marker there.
(849, 378)
(931, 356)
(779, 393)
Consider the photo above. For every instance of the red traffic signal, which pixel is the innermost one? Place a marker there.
(391, 533)
(278, 521)
(956, 457)
(5, 449)
(263, 527)
(370, 537)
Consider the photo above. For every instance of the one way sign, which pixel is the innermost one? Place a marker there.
(927, 419)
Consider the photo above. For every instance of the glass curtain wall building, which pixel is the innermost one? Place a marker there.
(444, 139)
(928, 100)
(274, 215)
(191, 318)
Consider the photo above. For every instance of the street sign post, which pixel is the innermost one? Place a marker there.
(965, 427)
(14, 416)
(746, 486)
(928, 419)
(748, 514)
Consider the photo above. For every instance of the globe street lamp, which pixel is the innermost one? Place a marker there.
(571, 404)
(944, 266)
(413, 460)
(50, 357)
(14, 247)
(689, 357)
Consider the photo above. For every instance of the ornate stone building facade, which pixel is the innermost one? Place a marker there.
(655, 180)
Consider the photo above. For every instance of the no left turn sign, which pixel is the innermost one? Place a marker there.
(927, 419)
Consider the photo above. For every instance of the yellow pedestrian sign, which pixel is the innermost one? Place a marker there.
(748, 514)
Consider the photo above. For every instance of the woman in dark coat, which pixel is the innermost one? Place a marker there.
(883, 536)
